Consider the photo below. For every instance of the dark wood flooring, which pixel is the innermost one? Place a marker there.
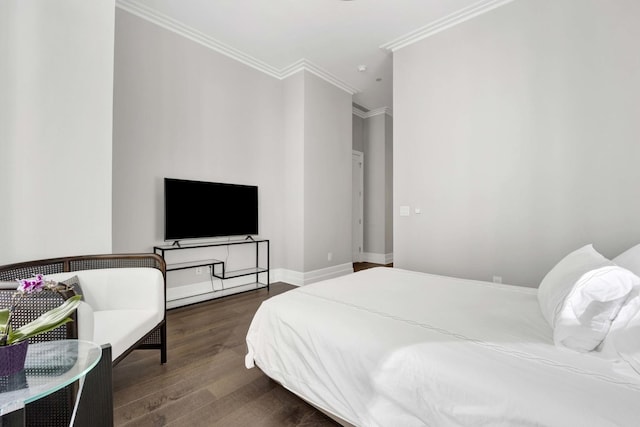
(204, 382)
(357, 266)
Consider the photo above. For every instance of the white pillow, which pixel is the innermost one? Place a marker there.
(559, 281)
(630, 259)
(623, 339)
(628, 311)
(623, 342)
(591, 307)
(581, 296)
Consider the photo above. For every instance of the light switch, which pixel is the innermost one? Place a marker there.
(405, 210)
(418, 211)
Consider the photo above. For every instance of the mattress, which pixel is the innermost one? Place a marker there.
(391, 347)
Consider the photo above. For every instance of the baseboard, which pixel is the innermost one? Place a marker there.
(328, 273)
(374, 258)
(287, 276)
(298, 278)
(388, 258)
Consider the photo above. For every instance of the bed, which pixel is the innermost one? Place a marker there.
(391, 347)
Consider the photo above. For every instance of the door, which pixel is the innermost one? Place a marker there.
(357, 205)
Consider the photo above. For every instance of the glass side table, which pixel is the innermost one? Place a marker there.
(49, 367)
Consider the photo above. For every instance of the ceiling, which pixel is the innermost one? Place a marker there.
(331, 38)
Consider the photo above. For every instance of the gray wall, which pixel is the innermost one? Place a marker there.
(357, 125)
(327, 174)
(56, 101)
(388, 184)
(378, 185)
(374, 185)
(293, 190)
(182, 110)
(517, 134)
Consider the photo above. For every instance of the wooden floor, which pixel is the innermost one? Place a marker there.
(357, 266)
(204, 382)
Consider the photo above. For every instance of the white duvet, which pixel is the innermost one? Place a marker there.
(390, 347)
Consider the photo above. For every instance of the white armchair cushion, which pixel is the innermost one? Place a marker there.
(123, 288)
(120, 288)
(121, 305)
(84, 314)
(122, 328)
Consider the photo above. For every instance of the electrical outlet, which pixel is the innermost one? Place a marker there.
(497, 279)
(329, 256)
(198, 270)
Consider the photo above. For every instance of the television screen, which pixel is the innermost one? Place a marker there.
(197, 209)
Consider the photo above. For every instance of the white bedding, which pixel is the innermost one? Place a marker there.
(390, 347)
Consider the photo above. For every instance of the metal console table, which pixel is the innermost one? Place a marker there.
(218, 267)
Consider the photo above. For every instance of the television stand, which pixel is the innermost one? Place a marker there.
(257, 266)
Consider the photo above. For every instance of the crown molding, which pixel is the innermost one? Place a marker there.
(372, 113)
(175, 26)
(379, 111)
(178, 27)
(442, 24)
(306, 65)
(359, 113)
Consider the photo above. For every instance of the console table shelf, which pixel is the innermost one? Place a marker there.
(218, 268)
(193, 264)
(238, 273)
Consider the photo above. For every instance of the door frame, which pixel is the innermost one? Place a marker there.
(357, 237)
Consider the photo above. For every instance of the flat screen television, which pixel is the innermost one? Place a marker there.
(198, 209)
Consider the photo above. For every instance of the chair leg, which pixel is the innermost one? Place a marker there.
(163, 344)
(13, 419)
(95, 407)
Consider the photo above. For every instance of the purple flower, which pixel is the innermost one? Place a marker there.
(30, 286)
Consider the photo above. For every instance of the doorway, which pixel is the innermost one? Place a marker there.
(357, 205)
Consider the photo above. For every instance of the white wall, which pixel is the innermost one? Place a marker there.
(357, 131)
(185, 111)
(56, 81)
(388, 184)
(293, 186)
(378, 188)
(327, 174)
(374, 185)
(517, 134)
